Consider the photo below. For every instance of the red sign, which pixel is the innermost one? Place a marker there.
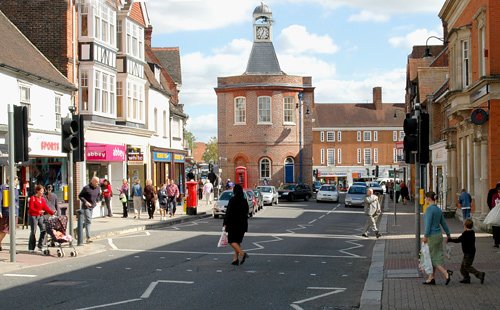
(49, 146)
(399, 145)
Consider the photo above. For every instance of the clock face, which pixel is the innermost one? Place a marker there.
(262, 33)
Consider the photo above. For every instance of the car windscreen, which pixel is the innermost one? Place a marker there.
(226, 196)
(327, 188)
(374, 185)
(357, 190)
(290, 187)
(265, 189)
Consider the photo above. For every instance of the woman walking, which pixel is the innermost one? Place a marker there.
(51, 199)
(433, 222)
(163, 200)
(137, 198)
(150, 193)
(123, 190)
(37, 207)
(107, 193)
(236, 223)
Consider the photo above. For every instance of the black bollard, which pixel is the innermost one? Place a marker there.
(79, 215)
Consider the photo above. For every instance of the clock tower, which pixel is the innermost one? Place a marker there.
(262, 23)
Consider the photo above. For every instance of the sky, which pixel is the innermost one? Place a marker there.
(346, 46)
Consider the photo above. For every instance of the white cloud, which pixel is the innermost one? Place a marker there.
(417, 37)
(368, 16)
(203, 127)
(295, 39)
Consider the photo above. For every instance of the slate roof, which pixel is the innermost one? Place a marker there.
(170, 59)
(17, 53)
(263, 60)
(357, 115)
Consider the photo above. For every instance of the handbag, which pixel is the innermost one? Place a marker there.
(493, 217)
(425, 264)
(223, 239)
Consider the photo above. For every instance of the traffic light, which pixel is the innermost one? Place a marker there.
(373, 171)
(376, 171)
(423, 148)
(69, 133)
(410, 142)
(21, 150)
(79, 153)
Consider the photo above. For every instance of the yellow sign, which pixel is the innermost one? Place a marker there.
(421, 196)
(5, 198)
(65, 193)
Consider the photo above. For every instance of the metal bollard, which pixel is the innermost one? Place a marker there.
(79, 217)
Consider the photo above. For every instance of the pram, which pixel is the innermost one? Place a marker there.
(55, 226)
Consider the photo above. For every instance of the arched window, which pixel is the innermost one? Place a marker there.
(240, 113)
(264, 110)
(265, 168)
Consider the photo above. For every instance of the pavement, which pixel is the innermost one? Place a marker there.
(102, 228)
(394, 281)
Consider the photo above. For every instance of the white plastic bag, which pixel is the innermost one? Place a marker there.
(493, 218)
(222, 240)
(448, 251)
(425, 259)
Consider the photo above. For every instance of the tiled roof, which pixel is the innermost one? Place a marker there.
(330, 115)
(263, 60)
(198, 151)
(170, 59)
(137, 15)
(19, 54)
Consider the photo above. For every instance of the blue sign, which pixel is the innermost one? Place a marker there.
(159, 156)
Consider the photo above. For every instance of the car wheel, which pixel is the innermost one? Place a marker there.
(318, 201)
(306, 198)
(216, 216)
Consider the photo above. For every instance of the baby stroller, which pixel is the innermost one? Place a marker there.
(55, 227)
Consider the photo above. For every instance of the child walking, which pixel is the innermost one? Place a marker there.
(468, 240)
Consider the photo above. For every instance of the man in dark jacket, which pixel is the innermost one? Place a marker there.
(89, 197)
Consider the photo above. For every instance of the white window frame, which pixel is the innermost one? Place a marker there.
(375, 135)
(135, 40)
(261, 109)
(265, 173)
(322, 156)
(394, 135)
(84, 20)
(401, 135)
(330, 157)
(155, 118)
(358, 155)
(367, 136)
(322, 136)
(84, 88)
(358, 134)
(339, 156)
(367, 156)
(240, 110)
(465, 62)
(57, 109)
(339, 136)
(330, 136)
(394, 155)
(165, 122)
(25, 98)
(288, 110)
(482, 50)
(375, 155)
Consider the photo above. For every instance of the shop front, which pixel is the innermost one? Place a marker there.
(167, 164)
(136, 169)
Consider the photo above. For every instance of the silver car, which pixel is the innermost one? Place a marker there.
(220, 205)
(356, 196)
(269, 194)
(327, 193)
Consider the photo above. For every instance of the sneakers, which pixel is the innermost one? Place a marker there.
(364, 235)
(481, 277)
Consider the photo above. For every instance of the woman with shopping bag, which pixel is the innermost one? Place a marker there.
(433, 237)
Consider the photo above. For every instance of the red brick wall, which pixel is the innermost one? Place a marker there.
(494, 142)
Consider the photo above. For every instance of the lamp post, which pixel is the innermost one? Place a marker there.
(427, 52)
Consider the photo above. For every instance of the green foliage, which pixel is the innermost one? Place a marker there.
(190, 140)
(211, 153)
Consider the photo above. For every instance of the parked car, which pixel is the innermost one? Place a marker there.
(295, 191)
(316, 186)
(356, 196)
(259, 198)
(252, 201)
(360, 183)
(377, 188)
(220, 204)
(327, 192)
(269, 194)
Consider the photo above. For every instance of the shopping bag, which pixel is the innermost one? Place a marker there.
(425, 264)
(222, 240)
(493, 218)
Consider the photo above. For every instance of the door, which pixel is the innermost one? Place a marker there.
(289, 177)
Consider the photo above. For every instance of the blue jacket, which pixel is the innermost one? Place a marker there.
(136, 190)
(465, 200)
(434, 220)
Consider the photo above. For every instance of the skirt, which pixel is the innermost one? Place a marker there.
(235, 236)
(4, 225)
(436, 248)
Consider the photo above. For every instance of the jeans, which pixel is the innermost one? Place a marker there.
(35, 221)
(171, 205)
(125, 209)
(465, 213)
(108, 206)
(87, 221)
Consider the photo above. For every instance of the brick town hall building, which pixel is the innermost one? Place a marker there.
(265, 117)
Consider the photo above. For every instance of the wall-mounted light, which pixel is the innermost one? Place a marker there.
(427, 52)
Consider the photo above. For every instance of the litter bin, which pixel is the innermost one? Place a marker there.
(192, 197)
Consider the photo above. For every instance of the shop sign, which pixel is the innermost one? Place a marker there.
(179, 158)
(45, 145)
(104, 152)
(160, 156)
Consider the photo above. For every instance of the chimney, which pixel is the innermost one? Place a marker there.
(148, 34)
(377, 98)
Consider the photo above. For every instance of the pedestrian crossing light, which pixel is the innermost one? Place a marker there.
(410, 142)
(70, 134)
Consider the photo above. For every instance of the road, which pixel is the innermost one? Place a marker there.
(303, 255)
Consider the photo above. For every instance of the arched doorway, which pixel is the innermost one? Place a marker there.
(289, 170)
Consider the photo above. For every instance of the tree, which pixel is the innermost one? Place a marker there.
(211, 153)
(190, 140)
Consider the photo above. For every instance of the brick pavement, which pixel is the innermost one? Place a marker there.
(402, 283)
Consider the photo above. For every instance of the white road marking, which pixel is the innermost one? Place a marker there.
(147, 233)
(112, 304)
(335, 290)
(312, 221)
(356, 245)
(111, 244)
(152, 286)
(20, 275)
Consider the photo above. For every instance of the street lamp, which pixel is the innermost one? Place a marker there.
(427, 52)
(299, 106)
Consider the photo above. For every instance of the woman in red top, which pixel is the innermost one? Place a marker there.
(107, 193)
(38, 206)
